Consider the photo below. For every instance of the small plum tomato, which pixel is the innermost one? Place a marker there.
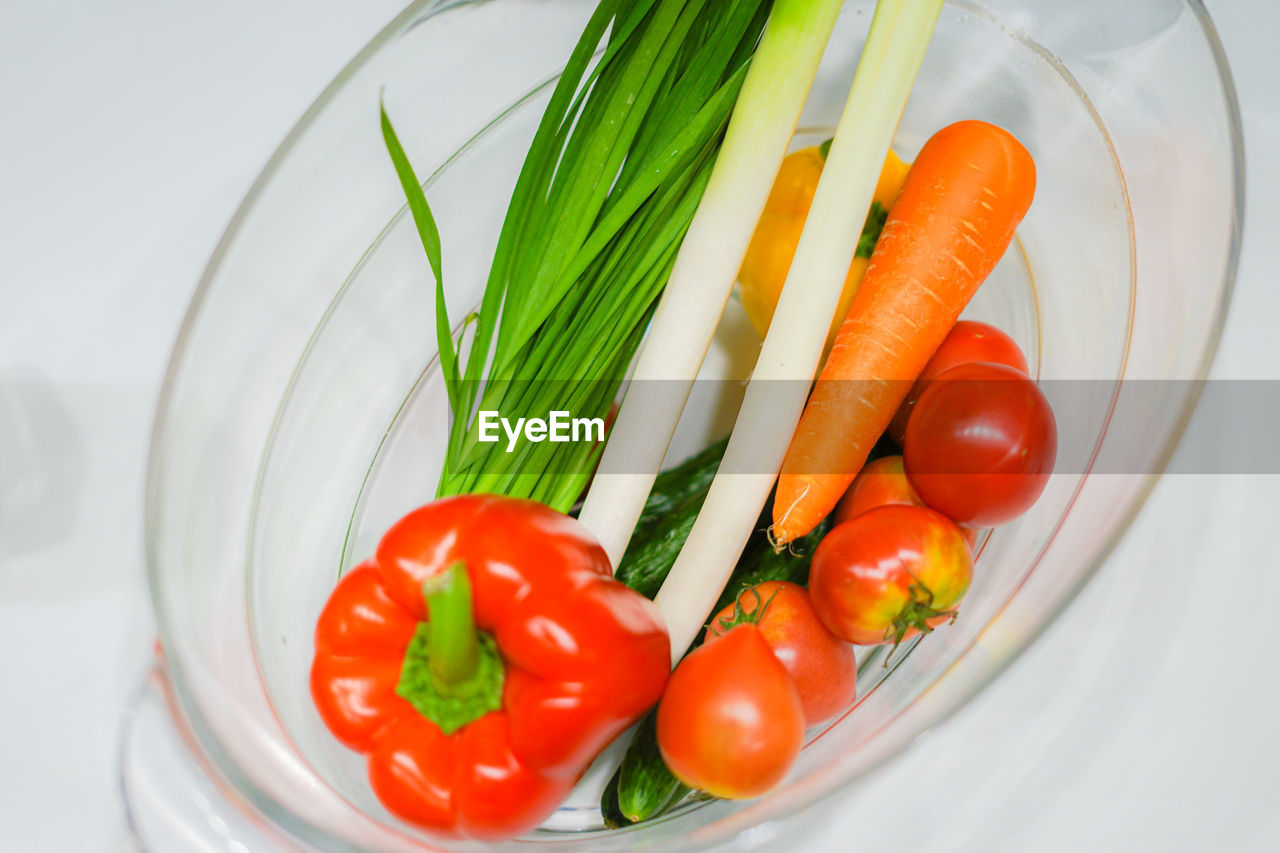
(821, 664)
(730, 722)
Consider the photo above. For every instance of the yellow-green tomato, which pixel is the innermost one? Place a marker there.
(889, 574)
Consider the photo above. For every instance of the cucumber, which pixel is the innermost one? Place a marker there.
(760, 562)
(668, 517)
(613, 818)
(644, 786)
(672, 507)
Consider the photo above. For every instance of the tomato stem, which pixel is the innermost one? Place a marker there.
(740, 615)
(916, 614)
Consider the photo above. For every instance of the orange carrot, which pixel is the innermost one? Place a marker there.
(963, 197)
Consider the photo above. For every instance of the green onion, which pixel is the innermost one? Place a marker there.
(764, 120)
(900, 33)
(608, 189)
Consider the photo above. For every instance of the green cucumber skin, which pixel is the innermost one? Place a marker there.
(613, 817)
(672, 507)
(760, 562)
(669, 513)
(646, 787)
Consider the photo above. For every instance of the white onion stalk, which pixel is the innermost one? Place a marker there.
(759, 132)
(900, 33)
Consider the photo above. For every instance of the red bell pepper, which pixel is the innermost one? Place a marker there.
(478, 720)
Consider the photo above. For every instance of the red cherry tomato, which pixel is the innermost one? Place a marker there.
(883, 482)
(981, 444)
(821, 665)
(730, 722)
(889, 574)
(968, 341)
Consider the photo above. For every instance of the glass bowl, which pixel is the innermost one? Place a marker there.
(302, 411)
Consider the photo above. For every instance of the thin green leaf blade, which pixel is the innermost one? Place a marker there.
(429, 234)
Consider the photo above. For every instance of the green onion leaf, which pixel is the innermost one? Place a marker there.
(430, 236)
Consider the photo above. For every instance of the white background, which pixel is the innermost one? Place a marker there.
(1145, 719)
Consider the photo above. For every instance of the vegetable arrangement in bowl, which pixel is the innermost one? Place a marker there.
(486, 654)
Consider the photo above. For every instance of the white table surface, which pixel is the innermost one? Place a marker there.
(129, 131)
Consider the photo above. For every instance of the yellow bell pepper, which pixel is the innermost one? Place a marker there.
(764, 269)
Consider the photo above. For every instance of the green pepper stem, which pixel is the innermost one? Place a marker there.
(452, 646)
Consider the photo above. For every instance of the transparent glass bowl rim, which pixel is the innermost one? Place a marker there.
(215, 759)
